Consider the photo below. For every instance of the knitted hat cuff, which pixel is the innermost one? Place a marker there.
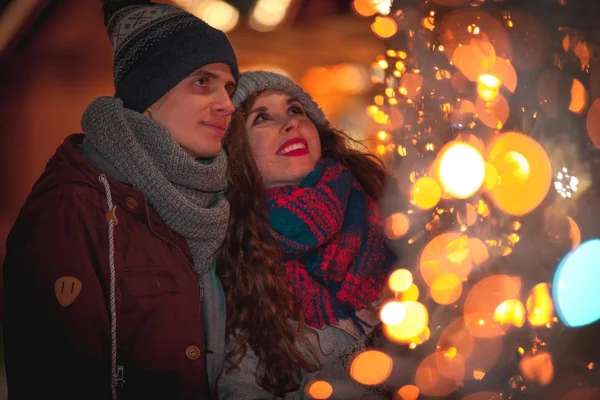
(252, 82)
(169, 65)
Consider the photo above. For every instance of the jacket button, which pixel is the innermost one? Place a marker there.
(131, 203)
(192, 352)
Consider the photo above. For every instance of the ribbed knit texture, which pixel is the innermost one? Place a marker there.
(257, 81)
(188, 195)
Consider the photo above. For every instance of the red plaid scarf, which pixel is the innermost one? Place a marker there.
(335, 256)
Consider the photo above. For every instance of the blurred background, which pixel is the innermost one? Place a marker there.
(55, 57)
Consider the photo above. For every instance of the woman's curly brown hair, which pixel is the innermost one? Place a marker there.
(259, 303)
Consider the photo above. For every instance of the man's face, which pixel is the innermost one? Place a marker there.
(197, 111)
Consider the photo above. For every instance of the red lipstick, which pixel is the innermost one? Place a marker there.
(293, 148)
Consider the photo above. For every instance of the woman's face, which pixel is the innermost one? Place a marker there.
(283, 140)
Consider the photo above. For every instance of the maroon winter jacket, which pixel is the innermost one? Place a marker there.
(56, 280)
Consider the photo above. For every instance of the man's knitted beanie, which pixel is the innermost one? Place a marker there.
(252, 82)
(156, 46)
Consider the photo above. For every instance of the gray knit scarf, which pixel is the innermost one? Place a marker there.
(187, 194)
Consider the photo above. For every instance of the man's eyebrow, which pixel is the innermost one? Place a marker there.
(199, 72)
(208, 74)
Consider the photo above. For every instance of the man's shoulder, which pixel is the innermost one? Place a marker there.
(75, 198)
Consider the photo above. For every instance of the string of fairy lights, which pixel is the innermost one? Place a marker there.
(451, 123)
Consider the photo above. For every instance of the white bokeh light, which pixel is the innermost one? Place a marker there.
(461, 170)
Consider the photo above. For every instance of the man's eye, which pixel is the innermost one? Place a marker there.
(201, 82)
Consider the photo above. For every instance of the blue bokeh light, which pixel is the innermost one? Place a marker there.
(576, 285)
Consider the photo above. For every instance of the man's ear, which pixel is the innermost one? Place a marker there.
(148, 112)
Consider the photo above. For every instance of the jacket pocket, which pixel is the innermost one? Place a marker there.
(146, 281)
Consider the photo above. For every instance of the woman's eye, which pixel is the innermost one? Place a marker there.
(296, 110)
(261, 118)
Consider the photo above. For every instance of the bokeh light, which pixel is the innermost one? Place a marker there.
(351, 79)
(505, 72)
(461, 169)
(397, 225)
(575, 285)
(493, 114)
(447, 253)
(455, 31)
(426, 193)
(421, 337)
(383, 6)
(218, 14)
(511, 312)
(392, 313)
(488, 87)
(491, 176)
(520, 188)
(365, 8)
(320, 390)
(474, 59)
(446, 289)
(593, 123)
(574, 233)
(318, 80)
(408, 392)
(371, 367)
(479, 251)
(482, 301)
(579, 97)
(410, 85)
(486, 354)
(411, 326)
(479, 354)
(537, 368)
(384, 27)
(450, 364)
(540, 309)
(410, 294)
(400, 280)
(267, 15)
(457, 336)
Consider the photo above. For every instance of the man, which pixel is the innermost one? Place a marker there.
(109, 273)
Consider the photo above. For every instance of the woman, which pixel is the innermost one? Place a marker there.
(304, 259)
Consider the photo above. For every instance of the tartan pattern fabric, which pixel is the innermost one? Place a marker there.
(335, 256)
